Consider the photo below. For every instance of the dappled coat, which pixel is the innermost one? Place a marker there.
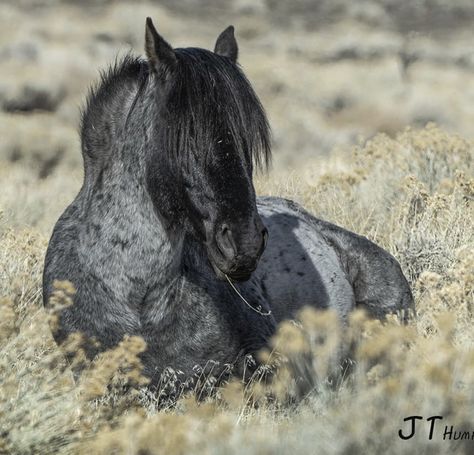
(166, 238)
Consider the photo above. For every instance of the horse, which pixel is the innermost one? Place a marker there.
(166, 238)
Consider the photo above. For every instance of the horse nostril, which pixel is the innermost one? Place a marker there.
(265, 236)
(264, 240)
(225, 242)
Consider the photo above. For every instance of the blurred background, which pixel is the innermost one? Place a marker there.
(330, 73)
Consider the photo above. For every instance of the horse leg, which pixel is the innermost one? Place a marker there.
(376, 276)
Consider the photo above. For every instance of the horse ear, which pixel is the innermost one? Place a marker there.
(160, 54)
(226, 44)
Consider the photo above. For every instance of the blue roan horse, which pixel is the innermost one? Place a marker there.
(168, 211)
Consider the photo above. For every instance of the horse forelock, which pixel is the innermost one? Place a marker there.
(209, 97)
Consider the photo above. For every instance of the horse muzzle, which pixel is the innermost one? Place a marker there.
(236, 256)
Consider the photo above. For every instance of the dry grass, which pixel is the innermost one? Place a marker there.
(323, 85)
(327, 76)
(412, 194)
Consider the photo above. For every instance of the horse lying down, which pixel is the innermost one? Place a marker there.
(167, 239)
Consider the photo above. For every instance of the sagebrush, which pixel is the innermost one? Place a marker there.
(412, 194)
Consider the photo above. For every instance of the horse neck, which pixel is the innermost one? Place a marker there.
(128, 211)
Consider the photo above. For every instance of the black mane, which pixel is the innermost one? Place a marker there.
(102, 115)
(211, 97)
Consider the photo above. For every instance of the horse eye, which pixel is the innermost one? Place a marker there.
(225, 140)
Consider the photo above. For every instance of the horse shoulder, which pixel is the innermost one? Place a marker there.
(104, 260)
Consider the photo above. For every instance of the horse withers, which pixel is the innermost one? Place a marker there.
(167, 239)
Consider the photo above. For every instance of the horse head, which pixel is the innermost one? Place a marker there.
(209, 130)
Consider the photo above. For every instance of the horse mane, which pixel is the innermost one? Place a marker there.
(102, 116)
(211, 96)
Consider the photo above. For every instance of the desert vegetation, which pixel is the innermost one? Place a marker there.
(342, 150)
(412, 194)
